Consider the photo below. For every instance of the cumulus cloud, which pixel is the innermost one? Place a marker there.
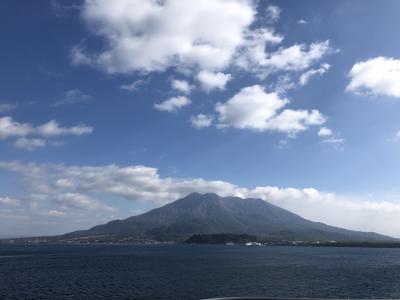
(213, 81)
(11, 128)
(154, 35)
(52, 128)
(201, 121)
(306, 76)
(25, 132)
(173, 104)
(205, 41)
(376, 76)
(210, 35)
(302, 22)
(297, 57)
(292, 121)
(79, 201)
(254, 108)
(131, 182)
(287, 81)
(324, 132)
(251, 107)
(140, 183)
(72, 97)
(252, 53)
(254, 58)
(181, 86)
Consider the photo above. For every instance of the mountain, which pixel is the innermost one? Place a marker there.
(210, 213)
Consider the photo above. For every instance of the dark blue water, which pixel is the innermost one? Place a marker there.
(195, 272)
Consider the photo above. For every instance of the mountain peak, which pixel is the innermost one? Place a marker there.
(202, 195)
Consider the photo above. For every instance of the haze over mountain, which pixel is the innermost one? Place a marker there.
(210, 213)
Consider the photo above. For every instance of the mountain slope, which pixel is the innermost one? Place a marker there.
(210, 213)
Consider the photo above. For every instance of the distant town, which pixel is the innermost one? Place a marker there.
(204, 239)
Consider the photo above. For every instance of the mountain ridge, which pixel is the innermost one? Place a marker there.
(209, 214)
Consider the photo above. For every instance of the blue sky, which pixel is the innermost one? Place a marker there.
(295, 102)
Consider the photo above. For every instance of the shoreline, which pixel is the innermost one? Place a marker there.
(383, 245)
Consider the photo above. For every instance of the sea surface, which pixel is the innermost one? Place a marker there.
(196, 272)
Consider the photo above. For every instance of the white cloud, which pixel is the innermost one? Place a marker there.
(253, 108)
(173, 104)
(333, 140)
(25, 132)
(252, 52)
(140, 183)
(293, 121)
(79, 201)
(9, 201)
(52, 128)
(206, 35)
(204, 41)
(29, 144)
(297, 57)
(376, 76)
(213, 81)
(181, 86)
(302, 22)
(329, 138)
(305, 77)
(131, 182)
(201, 121)
(253, 57)
(155, 35)
(134, 86)
(273, 13)
(283, 84)
(7, 107)
(287, 81)
(10, 128)
(324, 132)
(72, 97)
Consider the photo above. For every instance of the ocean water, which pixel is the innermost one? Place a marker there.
(196, 272)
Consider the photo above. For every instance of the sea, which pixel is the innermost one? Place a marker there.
(196, 272)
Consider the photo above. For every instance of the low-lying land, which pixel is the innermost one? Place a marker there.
(228, 239)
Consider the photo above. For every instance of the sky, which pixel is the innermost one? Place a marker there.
(111, 108)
